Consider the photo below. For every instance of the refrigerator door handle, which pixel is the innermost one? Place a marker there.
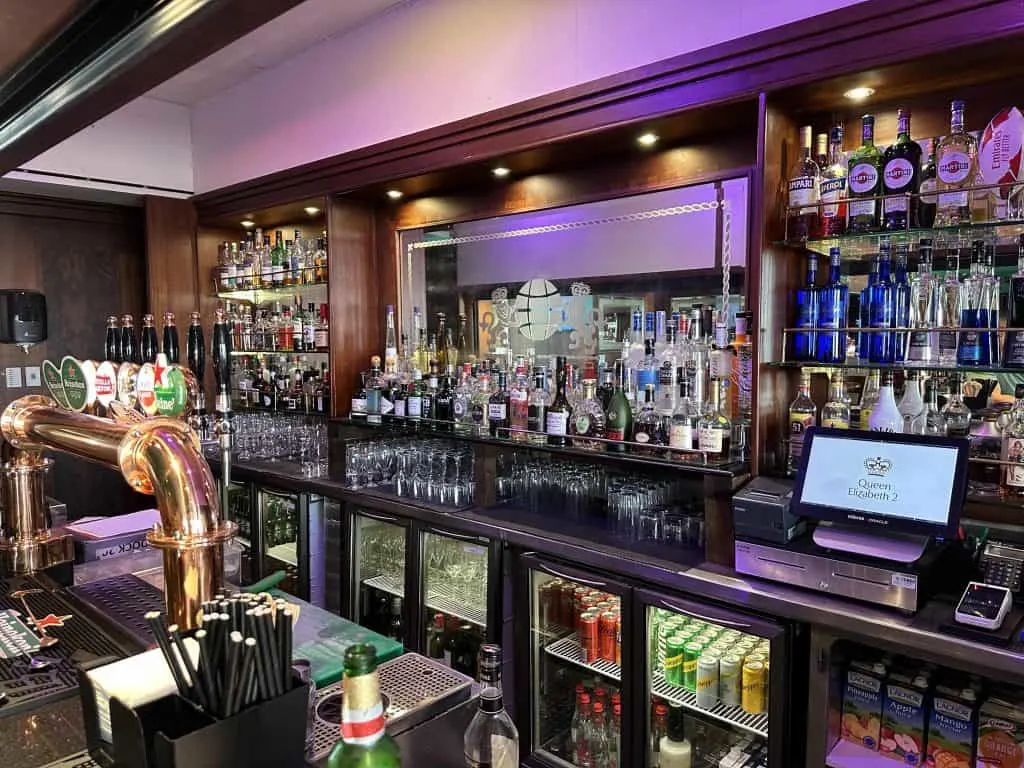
(376, 516)
(462, 536)
(553, 572)
(712, 620)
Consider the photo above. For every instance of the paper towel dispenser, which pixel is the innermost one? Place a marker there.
(22, 317)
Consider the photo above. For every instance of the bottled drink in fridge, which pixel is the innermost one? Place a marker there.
(675, 751)
(396, 627)
(491, 740)
(364, 742)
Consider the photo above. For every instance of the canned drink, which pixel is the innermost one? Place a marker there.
(691, 653)
(697, 624)
(664, 632)
(743, 648)
(566, 612)
(729, 679)
(707, 681)
(618, 639)
(752, 697)
(589, 636)
(732, 634)
(577, 602)
(721, 647)
(606, 636)
(712, 630)
(759, 657)
(545, 606)
(675, 655)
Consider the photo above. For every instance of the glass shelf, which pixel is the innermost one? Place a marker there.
(279, 353)
(856, 366)
(438, 599)
(310, 293)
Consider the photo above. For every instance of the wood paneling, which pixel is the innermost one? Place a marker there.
(354, 293)
(88, 260)
(173, 274)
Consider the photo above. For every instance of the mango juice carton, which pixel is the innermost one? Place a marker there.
(952, 726)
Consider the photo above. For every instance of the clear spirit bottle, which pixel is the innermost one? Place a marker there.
(885, 415)
(931, 420)
(973, 347)
(836, 412)
(833, 187)
(869, 398)
(588, 419)
(685, 424)
(1013, 342)
(833, 303)
(923, 344)
(956, 158)
(491, 738)
(803, 414)
(865, 181)
(804, 181)
(806, 312)
(912, 402)
(390, 342)
(715, 430)
(949, 310)
(882, 306)
(956, 412)
(901, 177)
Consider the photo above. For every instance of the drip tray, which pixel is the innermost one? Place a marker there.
(77, 760)
(54, 674)
(414, 689)
(124, 600)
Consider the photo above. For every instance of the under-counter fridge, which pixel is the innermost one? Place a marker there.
(241, 508)
(290, 536)
(611, 673)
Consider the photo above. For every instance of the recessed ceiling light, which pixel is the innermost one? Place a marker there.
(647, 139)
(394, 194)
(860, 93)
(312, 210)
(501, 171)
(248, 223)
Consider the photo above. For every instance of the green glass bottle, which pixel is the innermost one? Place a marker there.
(619, 415)
(364, 742)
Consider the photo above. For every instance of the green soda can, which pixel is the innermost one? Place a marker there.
(691, 655)
(674, 659)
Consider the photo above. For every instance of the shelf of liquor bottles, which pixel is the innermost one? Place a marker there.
(266, 353)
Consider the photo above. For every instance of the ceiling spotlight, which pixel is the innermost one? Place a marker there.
(312, 210)
(501, 171)
(248, 223)
(859, 94)
(394, 194)
(647, 139)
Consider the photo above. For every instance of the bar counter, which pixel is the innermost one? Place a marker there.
(917, 636)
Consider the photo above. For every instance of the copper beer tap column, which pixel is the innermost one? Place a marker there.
(158, 456)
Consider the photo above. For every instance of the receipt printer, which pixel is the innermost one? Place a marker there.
(761, 511)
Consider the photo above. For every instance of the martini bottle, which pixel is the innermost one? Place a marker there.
(364, 742)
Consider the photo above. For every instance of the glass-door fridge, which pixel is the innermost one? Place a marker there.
(291, 536)
(459, 590)
(380, 545)
(240, 511)
(571, 679)
(716, 684)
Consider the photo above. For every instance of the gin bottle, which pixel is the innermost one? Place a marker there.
(923, 309)
(802, 416)
(833, 301)
(993, 290)
(865, 181)
(901, 304)
(684, 426)
(864, 311)
(950, 303)
(973, 347)
(804, 180)
(836, 412)
(881, 303)
(956, 166)
(1013, 343)
(833, 187)
(806, 312)
(715, 431)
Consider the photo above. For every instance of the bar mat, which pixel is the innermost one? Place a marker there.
(80, 640)
(125, 600)
(77, 760)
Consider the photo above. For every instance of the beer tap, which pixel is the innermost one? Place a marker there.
(223, 427)
(196, 358)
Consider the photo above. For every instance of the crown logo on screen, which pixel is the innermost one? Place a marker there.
(877, 466)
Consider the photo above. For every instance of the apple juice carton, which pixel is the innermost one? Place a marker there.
(862, 703)
(905, 716)
(952, 725)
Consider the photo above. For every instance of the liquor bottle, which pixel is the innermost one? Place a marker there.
(414, 400)
(803, 414)
(912, 403)
(864, 313)
(277, 257)
(491, 740)
(869, 398)
(931, 420)
(390, 342)
(435, 637)
(927, 203)
(323, 333)
(806, 312)
(396, 626)
(519, 405)
(588, 419)
(298, 259)
(685, 424)
(444, 405)
(901, 177)
(993, 289)
(481, 405)
(804, 180)
(428, 411)
(956, 412)
(950, 309)
(1013, 448)
(462, 403)
(497, 410)
(836, 412)
(659, 729)
(923, 344)
(715, 431)
(881, 306)
(885, 415)
(374, 385)
(973, 347)
(1013, 344)
(865, 180)
(956, 158)
(744, 365)
(619, 414)
(648, 370)
(833, 187)
(536, 410)
(171, 347)
(112, 341)
(900, 304)
(606, 388)
(401, 402)
(648, 429)
(462, 349)
(675, 750)
(559, 412)
(309, 328)
(833, 303)
(298, 327)
(364, 742)
(821, 154)
(150, 346)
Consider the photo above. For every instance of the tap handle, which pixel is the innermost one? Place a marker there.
(222, 361)
(196, 348)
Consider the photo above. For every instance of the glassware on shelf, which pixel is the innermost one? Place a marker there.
(436, 471)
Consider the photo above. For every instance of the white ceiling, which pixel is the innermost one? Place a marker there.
(309, 23)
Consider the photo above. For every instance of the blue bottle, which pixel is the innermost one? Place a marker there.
(901, 304)
(973, 348)
(833, 303)
(881, 308)
(863, 338)
(806, 312)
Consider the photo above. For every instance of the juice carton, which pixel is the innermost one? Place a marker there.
(862, 703)
(1001, 735)
(905, 716)
(952, 726)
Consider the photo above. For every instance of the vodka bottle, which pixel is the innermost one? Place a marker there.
(901, 304)
(833, 302)
(923, 345)
(973, 347)
(950, 302)
(806, 312)
(491, 740)
(956, 412)
(881, 302)
(802, 416)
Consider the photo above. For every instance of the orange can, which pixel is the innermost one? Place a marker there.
(577, 603)
(589, 644)
(566, 613)
(606, 636)
(618, 639)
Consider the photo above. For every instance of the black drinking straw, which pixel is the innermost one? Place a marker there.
(159, 630)
(179, 644)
